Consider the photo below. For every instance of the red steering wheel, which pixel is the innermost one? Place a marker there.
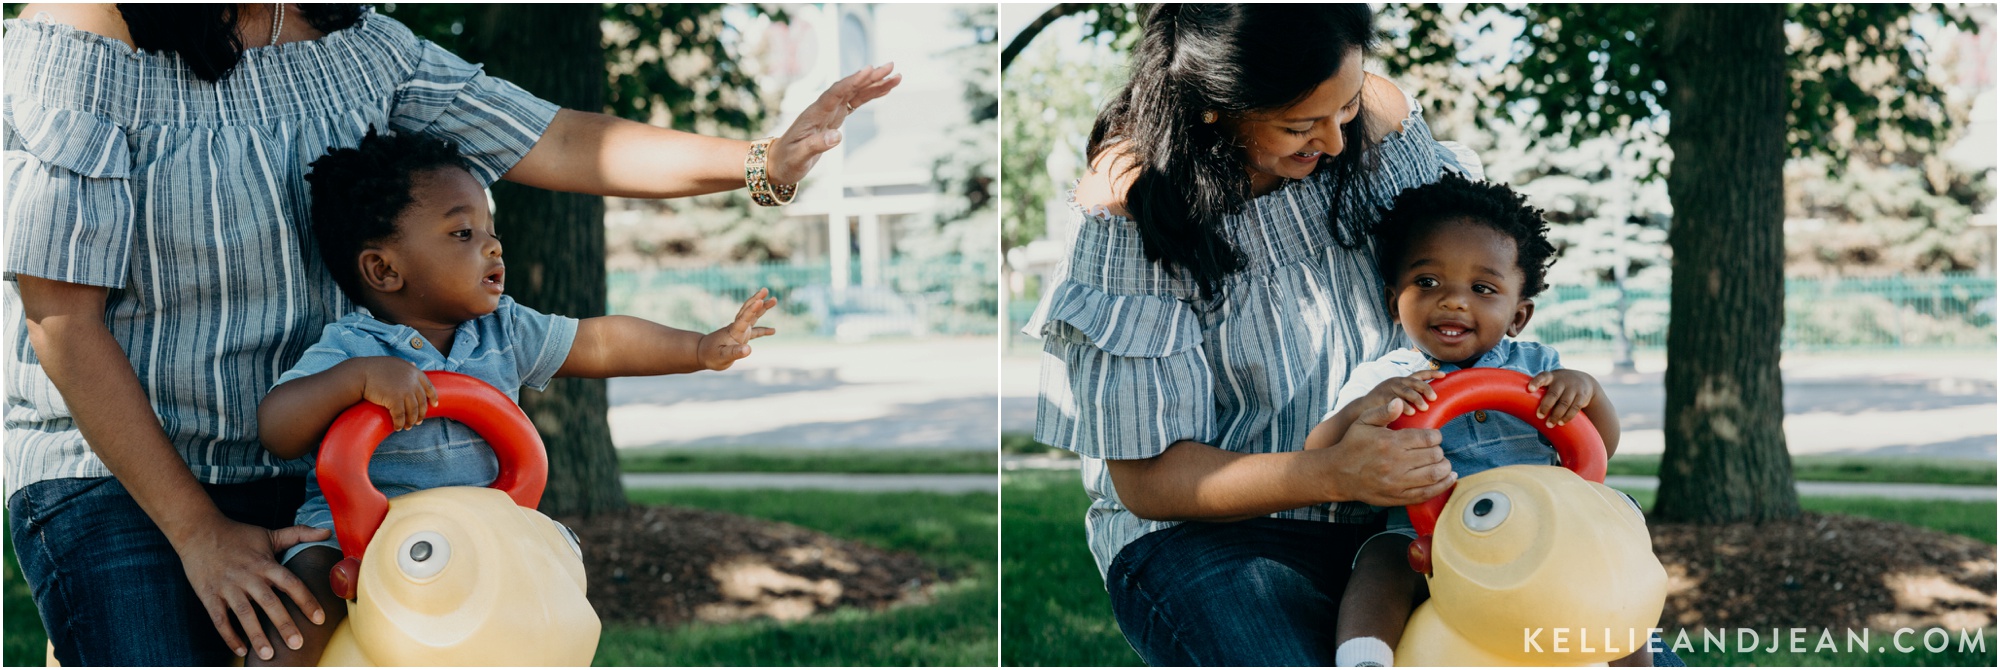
(359, 508)
(1496, 389)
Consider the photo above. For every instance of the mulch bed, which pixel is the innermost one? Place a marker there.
(1824, 571)
(667, 566)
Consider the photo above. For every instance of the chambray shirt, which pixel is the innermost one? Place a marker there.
(188, 200)
(1135, 360)
(1474, 442)
(513, 347)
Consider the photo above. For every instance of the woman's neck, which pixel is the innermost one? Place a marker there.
(255, 21)
(1261, 183)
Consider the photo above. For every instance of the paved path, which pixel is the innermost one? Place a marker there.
(830, 482)
(1874, 404)
(906, 394)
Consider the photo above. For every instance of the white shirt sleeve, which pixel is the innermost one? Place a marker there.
(1367, 376)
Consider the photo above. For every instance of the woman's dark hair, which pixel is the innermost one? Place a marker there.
(358, 193)
(204, 35)
(1422, 211)
(1231, 59)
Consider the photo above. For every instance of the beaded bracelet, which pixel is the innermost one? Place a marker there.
(762, 191)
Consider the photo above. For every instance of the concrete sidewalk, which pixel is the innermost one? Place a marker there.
(906, 394)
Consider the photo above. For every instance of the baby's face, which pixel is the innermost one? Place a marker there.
(1459, 291)
(449, 252)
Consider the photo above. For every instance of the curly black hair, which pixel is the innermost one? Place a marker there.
(358, 193)
(1422, 210)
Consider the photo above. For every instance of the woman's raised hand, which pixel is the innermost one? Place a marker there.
(817, 129)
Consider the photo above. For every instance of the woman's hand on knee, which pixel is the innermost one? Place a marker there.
(1379, 466)
(234, 570)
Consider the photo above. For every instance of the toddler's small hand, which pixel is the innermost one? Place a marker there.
(1415, 391)
(1569, 392)
(398, 386)
(724, 347)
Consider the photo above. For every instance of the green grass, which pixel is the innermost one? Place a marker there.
(1054, 610)
(845, 461)
(1900, 469)
(956, 533)
(1971, 519)
(25, 644)
(1053, 607)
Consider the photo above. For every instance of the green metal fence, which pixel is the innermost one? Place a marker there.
(945, 296)
(1909, 312)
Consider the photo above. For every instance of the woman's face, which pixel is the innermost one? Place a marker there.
(1289, 142)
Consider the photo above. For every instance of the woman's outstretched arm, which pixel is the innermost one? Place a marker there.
(584, 152)
(1192, 481)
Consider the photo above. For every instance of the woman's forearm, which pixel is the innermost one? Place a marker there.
(584, 152)
(1192, 481)
(97, 383)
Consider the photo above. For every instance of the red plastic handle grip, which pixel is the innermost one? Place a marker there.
(359, 508)
(1496, 389)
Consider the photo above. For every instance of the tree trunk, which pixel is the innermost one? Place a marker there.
(1725, 457)
(555, 241)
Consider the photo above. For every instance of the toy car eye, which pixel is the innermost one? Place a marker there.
(423, 555)
(570, 536)
(1487, 511)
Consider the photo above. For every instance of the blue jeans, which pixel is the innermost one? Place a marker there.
(109, 586)
(1262, 592)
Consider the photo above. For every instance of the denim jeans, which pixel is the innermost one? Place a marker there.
(1262, 592)
(109, 586)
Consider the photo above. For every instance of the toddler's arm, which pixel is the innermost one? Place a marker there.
(623, 346)
(293, 419)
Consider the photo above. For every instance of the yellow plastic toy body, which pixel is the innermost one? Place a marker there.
(1552, 570)
(500, 584)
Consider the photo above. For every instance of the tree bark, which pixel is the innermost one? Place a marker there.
(1725, 457)
(555, 241)
(1027, 35)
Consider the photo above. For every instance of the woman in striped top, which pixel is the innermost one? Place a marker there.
(1218, 289)
(157, 285)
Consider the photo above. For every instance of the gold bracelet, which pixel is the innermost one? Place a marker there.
(762, 191)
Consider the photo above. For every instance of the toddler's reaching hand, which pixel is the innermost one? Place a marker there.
(724, 347)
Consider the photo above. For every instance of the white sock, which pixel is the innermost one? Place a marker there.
(1364, 651)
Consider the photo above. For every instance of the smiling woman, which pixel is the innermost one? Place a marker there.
(1220, 286)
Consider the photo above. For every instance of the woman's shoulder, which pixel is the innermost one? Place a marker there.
(1103, 186)
(1389, 108)
(102, 20)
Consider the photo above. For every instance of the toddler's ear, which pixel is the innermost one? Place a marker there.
(1522, 312)
(378, 271)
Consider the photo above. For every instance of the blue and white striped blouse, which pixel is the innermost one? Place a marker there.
(188, 200)
(1134, 360)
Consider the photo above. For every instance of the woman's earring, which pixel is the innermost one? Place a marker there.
(1208, 116)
